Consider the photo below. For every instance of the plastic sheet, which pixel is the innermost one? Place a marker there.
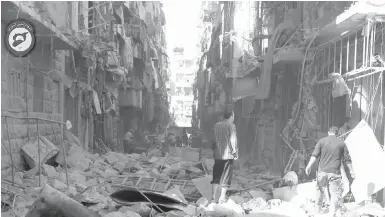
(340, 88)
(368, 161)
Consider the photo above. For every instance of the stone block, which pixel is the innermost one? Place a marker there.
(202, 202)
(140, 208)
(58, 185)
(50, 171)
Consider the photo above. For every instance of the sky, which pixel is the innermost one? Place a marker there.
(182, 20)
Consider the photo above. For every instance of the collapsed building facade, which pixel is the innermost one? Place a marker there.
(100, 65)
(275, 64)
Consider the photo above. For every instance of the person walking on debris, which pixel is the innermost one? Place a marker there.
(128, 142)
(225, 152)
(331, 151)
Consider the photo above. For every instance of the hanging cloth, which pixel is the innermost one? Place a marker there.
(340, 88)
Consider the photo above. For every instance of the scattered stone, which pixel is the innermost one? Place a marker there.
(131, 214)
(110, 173)
(202, 202)
(274, 203)
(76, 177)
(110, 159)
(50, 171)
(119, 166)
(237, 199)
(190, 210)
(174, 214)
(260, 194)
(140, 208)
(115, 214)
(58, 185)
(255, 205)
(78, 161)
(31, 173)
(72, 191)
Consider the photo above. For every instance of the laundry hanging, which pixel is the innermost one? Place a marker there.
(340, 88)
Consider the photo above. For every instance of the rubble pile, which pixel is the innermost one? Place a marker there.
(148, 184)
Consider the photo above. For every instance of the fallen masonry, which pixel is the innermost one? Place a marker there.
(149, 184)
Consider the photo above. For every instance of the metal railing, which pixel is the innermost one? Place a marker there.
(13, 166)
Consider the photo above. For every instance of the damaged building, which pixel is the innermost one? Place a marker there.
(290, 70)
(100, 75)
(100, 65)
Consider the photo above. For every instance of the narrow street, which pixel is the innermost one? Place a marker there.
(192, 108)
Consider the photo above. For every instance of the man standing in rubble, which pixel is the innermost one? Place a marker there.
(331, 151)
(225, 152)
(128, 142)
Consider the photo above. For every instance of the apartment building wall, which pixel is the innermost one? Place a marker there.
(30, 89)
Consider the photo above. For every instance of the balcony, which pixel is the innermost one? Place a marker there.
(355, 16)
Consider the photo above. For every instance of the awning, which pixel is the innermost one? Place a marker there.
(43, 27)
(350, 19)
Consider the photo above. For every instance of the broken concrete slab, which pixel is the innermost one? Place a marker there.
(204, 186)
(78, 161)
(119, 166)
(140, 208)
(190, 210)
(50, 171)
(298, 194)
(230, 208)
(202, 202)
(30, 151)
(58, 185)
(108, 173)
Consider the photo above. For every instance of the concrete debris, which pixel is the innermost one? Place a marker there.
(141, 208)
(30, 151)
(50, 171)
(93, 178)
(202, 202)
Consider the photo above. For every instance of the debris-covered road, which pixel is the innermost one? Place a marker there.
(147, 184)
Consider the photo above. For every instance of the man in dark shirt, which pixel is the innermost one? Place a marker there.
(330, 151)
